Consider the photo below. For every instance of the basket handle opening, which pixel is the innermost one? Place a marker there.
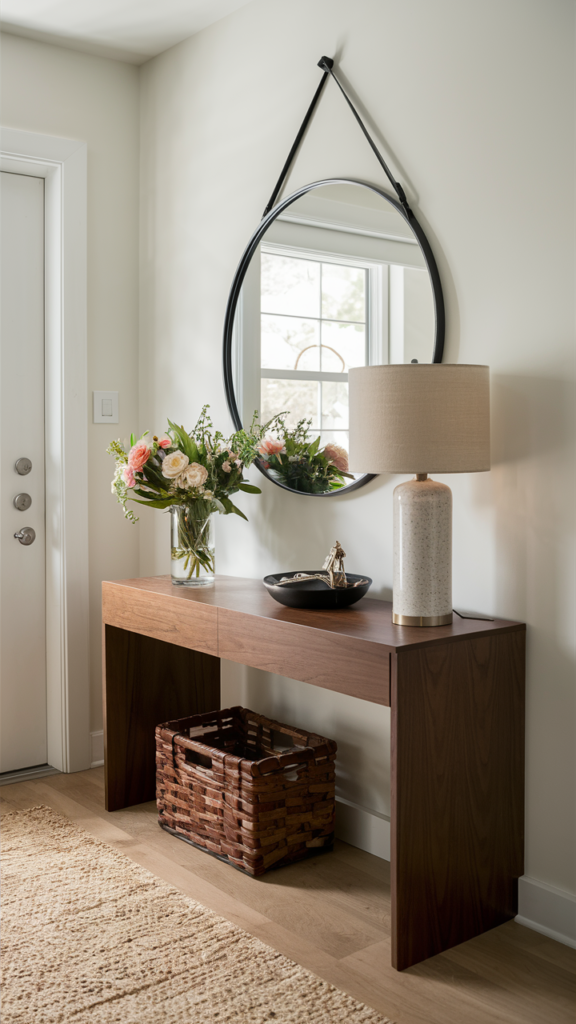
(195, 757)
(282, 741)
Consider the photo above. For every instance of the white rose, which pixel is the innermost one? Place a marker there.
(193, 475)
(174, 464)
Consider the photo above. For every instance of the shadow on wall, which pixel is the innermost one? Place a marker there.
(534, 498)
(531, 416)
(361, 730)
(533, 429)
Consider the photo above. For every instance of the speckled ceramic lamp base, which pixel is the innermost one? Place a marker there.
(422, 553)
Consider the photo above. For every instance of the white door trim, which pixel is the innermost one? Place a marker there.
(62, 163)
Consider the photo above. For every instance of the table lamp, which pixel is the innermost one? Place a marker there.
(420, 418)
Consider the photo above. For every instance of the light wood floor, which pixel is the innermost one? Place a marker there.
(332, 915)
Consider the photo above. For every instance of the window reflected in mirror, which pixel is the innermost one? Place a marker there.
(312, 330)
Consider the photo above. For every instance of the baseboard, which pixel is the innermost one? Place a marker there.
(96, 749)
(362, 828)
(356, 825)
(549, 911)
(541, 907)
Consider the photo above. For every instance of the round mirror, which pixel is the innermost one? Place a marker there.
(337, 275)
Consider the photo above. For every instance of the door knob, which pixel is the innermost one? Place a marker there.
(23, 466)
(26, 535)
(22, 502)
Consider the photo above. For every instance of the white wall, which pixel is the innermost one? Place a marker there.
(476, 103)
(66, 93)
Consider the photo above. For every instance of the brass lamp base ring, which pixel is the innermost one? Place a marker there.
(422, 620)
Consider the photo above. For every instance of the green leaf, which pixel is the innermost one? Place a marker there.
(149, 494)
(313, 448)
(229, 507)
(249, 489)
(186, 443)
(219, 505)
(153, 474)
(132, 440)
(160, 503)
(238, 512)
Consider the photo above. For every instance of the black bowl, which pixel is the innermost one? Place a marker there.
(314, 593)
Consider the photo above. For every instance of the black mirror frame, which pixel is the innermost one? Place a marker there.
(238, 280)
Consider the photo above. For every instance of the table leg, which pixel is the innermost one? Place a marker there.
(146, 682)
(457, 792)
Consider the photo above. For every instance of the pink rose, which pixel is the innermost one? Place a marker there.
(138, 456)
(129, 476)
(271, 446)
(164, 442)
(337, 456)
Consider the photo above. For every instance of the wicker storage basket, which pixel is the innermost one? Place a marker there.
(249, 790)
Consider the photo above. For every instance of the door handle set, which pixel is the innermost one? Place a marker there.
(26, 535)
(22, 502)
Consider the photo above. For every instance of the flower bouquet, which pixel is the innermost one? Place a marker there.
(192, 474)
(295, 460)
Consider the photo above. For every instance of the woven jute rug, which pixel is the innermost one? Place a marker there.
(89, 937)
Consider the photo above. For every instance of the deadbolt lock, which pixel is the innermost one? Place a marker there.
(23, 466)
(22, 502)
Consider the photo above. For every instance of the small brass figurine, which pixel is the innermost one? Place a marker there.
(334, 576)
(335, 566)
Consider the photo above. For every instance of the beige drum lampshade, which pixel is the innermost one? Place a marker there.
(419, 418)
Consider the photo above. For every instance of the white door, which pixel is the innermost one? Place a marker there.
(22, 595)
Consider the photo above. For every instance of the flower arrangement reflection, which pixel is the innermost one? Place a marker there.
(298, 461)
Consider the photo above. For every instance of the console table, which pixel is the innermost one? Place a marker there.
(456, 695)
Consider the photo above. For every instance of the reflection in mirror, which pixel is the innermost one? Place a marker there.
(338, 280)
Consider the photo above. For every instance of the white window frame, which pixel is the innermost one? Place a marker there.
(375, 325)
(62, 163)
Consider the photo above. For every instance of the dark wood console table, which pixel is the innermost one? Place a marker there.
(456, 695)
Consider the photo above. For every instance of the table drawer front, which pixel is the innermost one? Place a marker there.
(186, 624)
(330, 660)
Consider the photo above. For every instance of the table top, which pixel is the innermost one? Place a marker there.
(369, 620)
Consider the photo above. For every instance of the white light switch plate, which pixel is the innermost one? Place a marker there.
(105, 406)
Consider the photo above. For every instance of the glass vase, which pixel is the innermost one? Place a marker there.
(192, 549)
